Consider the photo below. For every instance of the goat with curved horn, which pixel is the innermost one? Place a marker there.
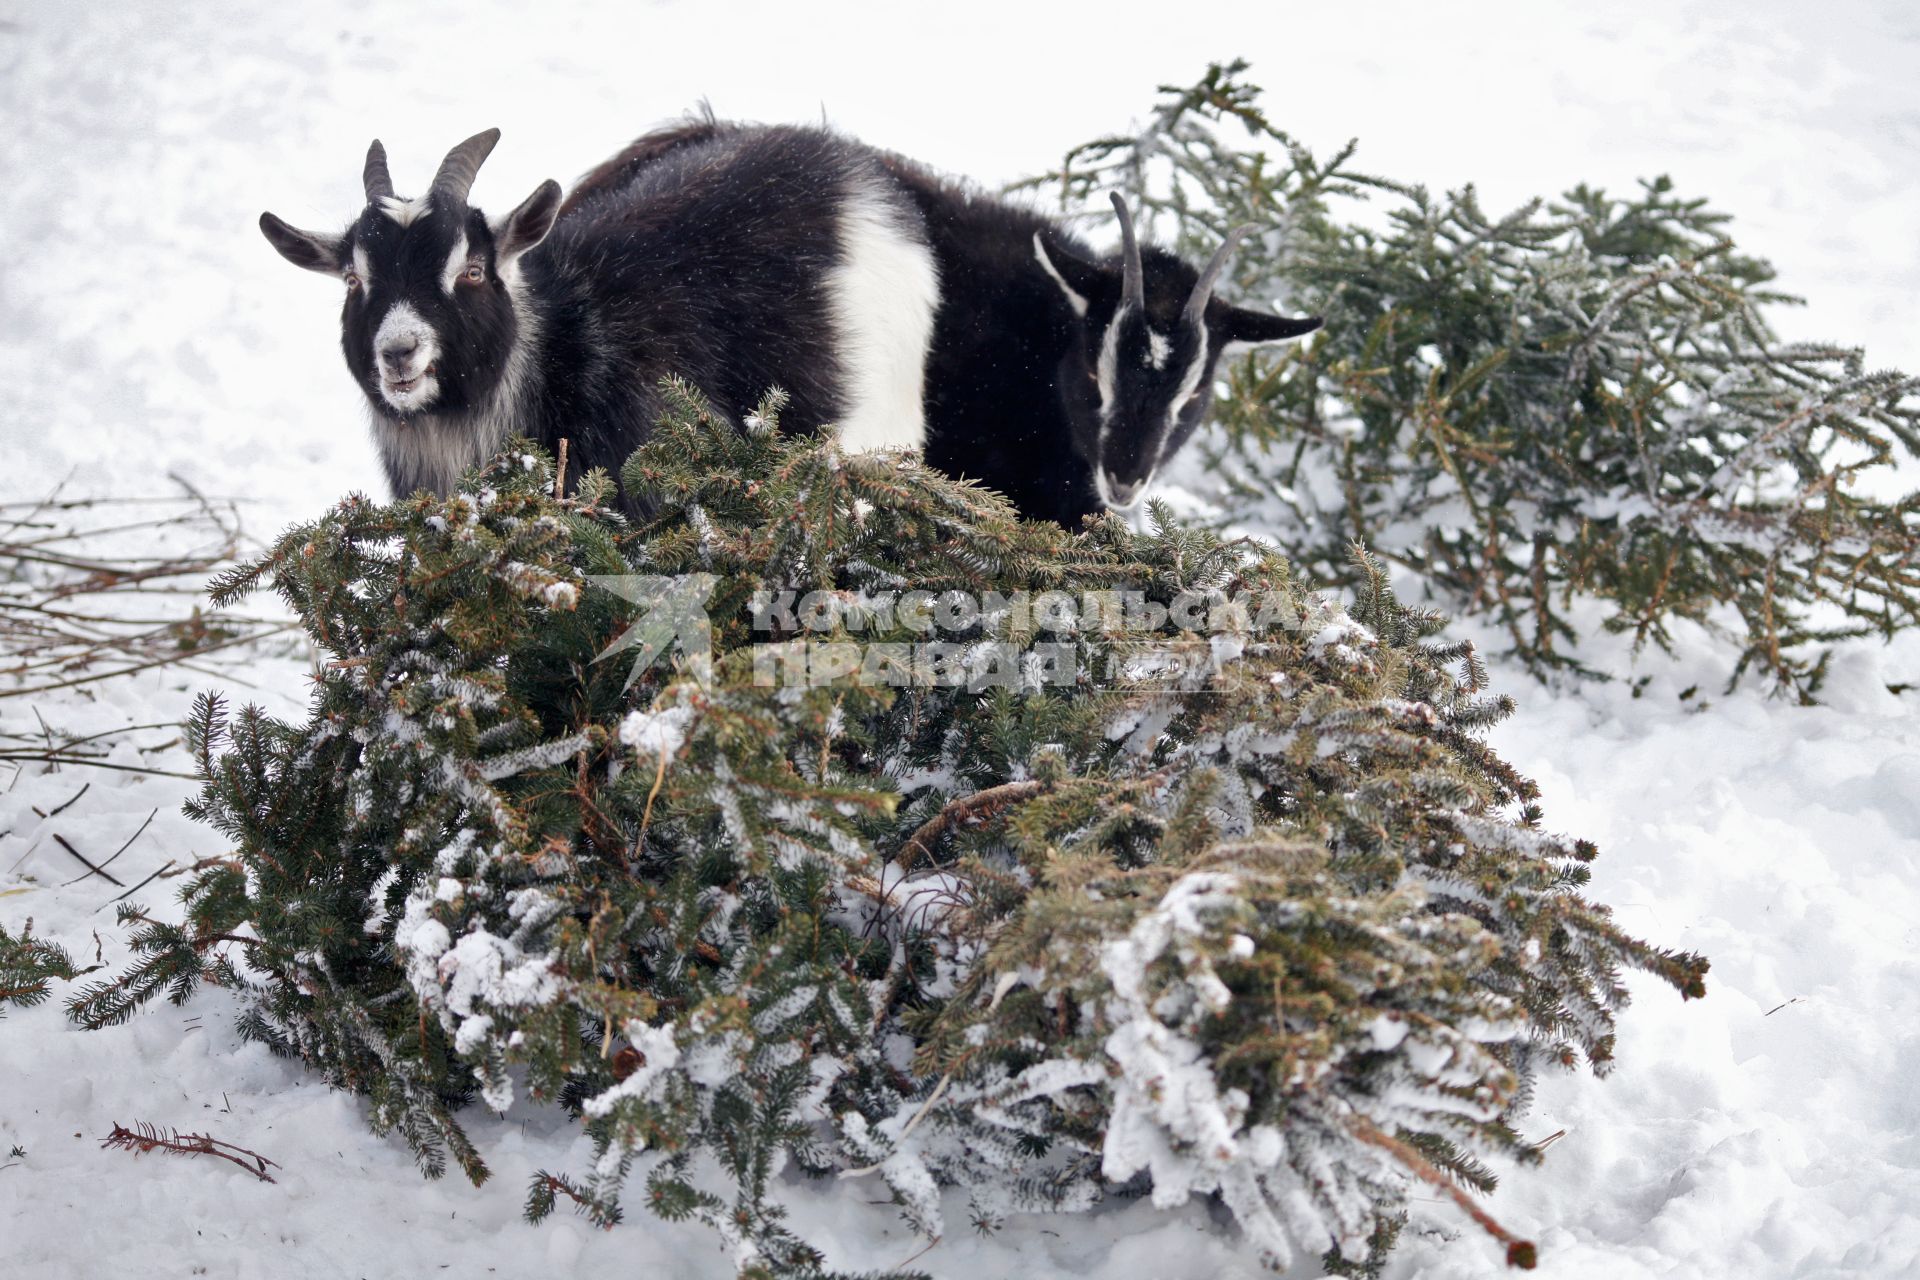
(462, 165)
(1133, 286)
(704, 262)
(1135, 377)
(379, 185)
(1195, 311)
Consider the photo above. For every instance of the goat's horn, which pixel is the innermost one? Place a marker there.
(462, 165)
(1196, 310)
(1133, 280)
(379, 184)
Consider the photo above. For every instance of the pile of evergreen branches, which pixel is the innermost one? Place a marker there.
(1582, 398)
(1269, 922)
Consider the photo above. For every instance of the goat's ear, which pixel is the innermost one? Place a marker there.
(1081, 281)
(528, 225)
(1238, 324)
(307, 249)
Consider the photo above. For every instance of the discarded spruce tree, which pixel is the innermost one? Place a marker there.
(1250, 912)
(1581, 400)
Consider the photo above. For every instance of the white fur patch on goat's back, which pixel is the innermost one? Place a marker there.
(1074, 298)
(884, 294)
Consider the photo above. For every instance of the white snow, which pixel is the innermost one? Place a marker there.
(656, 733)
(145, 328)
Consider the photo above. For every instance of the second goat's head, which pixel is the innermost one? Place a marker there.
(1140, 379)
(430, 321)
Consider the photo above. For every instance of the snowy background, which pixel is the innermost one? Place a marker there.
(147, 329)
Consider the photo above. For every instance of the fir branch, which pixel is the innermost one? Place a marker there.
(1520, 1253)
(145, 1137)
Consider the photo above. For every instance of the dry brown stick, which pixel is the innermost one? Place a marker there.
(977, 807)
(74, 534)
(36, 506)
(91, 869)
(129, 500)
(169, 871)
(62, 808)
(646, 817)
(143, 666)
(117, 852)
(1520, 1253)
(145, 1137)
(151, 566)
(68, 615)
(137, 888)
(71, 743)
(8, 756)
(560, 472)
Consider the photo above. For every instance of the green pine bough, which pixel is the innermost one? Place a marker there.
(1279, 929)
(29, 967)
(1579, 401)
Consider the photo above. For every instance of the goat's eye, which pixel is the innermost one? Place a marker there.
(353, 281)
(474, 274)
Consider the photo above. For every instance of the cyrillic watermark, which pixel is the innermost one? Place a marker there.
(676, 617)
(953, 639)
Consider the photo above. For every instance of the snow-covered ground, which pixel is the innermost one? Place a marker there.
(145, 328)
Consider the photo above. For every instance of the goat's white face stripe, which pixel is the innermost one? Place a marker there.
(1074, 300)
(405, 212)
(361, 267)
(1107, 371)
(456, 263)
(401, 323)
(1189, 384)
(1158, 349)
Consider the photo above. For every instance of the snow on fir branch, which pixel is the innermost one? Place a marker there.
(1583, 399)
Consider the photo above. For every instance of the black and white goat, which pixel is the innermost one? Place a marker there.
(740, 261)
(1063, 379)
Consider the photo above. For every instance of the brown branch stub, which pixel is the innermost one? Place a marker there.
(1520, 1253)
(559, 1186)
(144, 1137)
(974, 808)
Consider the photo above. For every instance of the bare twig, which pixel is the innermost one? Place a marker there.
(9, 756)
(91, 869)
(144, 1137)
(56, 549)
(62, 808)
(170, 870)
(144, 666)
(137, 888)
(102, 869)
